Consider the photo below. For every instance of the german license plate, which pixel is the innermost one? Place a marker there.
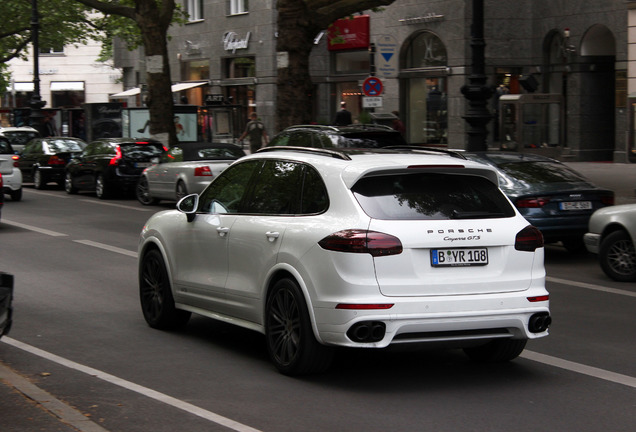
(576, 205)
(142, 164)
(459, 257)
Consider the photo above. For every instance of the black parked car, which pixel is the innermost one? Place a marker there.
(6, 299)
(352, 136)
(550, 195)
(111, 164)
(43, 159)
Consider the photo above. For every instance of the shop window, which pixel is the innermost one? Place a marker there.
(426, 50)
(197, 70)
(236, 7)
(195, 10)
(352, 62)
(239, 67)
(53, 50)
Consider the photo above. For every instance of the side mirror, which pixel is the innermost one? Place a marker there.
(188, 205)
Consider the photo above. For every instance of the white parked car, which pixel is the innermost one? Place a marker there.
(185, 169)
(11, 174)
(319, 248)
(18, 136)
(612, 235)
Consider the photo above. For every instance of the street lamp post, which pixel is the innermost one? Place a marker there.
(36, 103)
(476, 91)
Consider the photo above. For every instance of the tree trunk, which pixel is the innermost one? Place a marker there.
(295, 42)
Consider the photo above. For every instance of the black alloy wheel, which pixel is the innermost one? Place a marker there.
(102, 190)
(617, 256)
(157, 303)
(142, 192)
(68, 184)
(291, 343)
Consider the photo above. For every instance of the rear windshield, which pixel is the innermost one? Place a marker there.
(20, 137)
(144, 150)
(432, 196)
(540, 172)
(64, 145)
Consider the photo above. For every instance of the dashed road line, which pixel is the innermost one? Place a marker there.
(128, 385)
(591, 286)
(34, 228)
(107, 247)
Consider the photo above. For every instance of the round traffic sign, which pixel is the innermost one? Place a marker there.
(372, 86)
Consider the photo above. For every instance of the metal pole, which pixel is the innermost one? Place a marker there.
(476, 91)
(36, 102)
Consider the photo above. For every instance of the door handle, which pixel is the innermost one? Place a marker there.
(222, 231)
(272, 235)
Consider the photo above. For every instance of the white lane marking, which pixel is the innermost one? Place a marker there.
(53, 195)
(141, 209)
(145, 391)
(107, 247)
(36, 229)
(580, 368)
(591, 286)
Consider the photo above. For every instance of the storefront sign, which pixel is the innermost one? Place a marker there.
(232, 42)
(349, 33)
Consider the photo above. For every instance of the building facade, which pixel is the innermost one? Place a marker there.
(558, 70)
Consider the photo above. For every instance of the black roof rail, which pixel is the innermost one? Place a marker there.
(422, 149)
(317, 151)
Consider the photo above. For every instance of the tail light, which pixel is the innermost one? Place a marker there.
(607, 200)
(362, 241)
(533, 202)
(56, 160)
(117, 158)
(0, 182)
(15, 158)
(202, 171)
(529, 239)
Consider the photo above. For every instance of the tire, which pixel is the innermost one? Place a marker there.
(142, 192)
(290, 340)
(68, 184)
(497, 351)
(181, 190)
(102, 190)
(155, 295)
(16, 195)
(617, 256)
(39, 181)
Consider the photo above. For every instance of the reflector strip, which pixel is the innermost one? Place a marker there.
(364, 306)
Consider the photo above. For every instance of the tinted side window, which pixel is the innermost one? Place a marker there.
(431, 196)
(277, 189)
(314, 197)
(224, 195)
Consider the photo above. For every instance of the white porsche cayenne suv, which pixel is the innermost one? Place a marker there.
(318, 249)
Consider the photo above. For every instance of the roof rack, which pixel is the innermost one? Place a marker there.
(313, 126)
(420, 149)
(317, 151)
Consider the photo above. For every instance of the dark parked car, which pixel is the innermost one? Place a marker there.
(550, 195)
(111, 164)
(6, 298)
(43, 159)
(352, 136)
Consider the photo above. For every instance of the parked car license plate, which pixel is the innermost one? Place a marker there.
(142, 164)
(576, 205)
(459, 257)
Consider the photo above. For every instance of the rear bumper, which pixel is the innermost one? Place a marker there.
(459, 320)
(592, 242)
(12, 181)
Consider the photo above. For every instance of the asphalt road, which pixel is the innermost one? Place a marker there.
(79, 336)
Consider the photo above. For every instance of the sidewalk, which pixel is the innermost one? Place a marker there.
(25, 407)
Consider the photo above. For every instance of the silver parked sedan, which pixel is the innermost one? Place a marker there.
(185, 169)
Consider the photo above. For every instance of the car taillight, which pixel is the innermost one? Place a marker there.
(56, 160)
(534, 202)
(529, 239)
(15, 158)
(0, 181)
(607, 200)
(117, 158)
(202, 171)
(362, 241)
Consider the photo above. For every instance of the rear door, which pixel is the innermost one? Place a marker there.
(458, 234)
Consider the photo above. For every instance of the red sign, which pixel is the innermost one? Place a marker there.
(349, 33)
(372, 86)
